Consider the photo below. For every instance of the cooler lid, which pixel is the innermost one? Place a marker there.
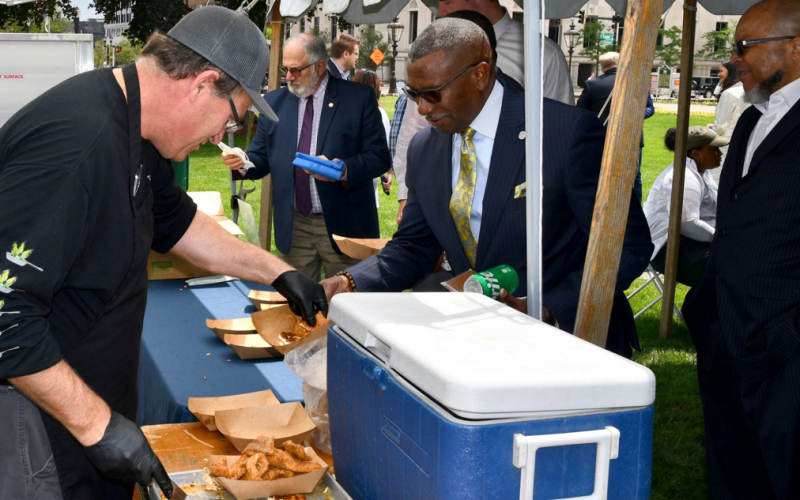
(475, 356)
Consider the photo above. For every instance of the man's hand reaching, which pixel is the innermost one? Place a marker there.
(335, 285)
(306, 296)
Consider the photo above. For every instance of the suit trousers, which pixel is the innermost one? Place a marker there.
(27, 468)
(752, 429)
(312, 250)
(692, 260)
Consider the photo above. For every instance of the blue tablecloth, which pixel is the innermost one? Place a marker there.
(180, 357)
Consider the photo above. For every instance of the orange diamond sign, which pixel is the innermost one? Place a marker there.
(377, 56)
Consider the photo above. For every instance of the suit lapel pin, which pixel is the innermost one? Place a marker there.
(330, 104)
(522, 135)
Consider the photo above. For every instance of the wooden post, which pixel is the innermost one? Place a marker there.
(679, 169)
(619, 170)
(275, 52)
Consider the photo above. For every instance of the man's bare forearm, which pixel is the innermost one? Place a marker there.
(208, 246)
(59, 391)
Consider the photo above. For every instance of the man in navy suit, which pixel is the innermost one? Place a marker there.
(744, 314)
(475, 116)
(328, 117)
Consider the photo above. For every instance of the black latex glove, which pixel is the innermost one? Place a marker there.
(125, 455)
(305, 295)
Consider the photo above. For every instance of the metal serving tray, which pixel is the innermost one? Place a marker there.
(334, 490)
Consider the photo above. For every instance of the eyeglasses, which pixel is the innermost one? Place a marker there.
(434, 96)
(738, 47)
(232, 126)
(295, 71)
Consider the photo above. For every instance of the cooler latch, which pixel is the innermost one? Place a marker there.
(525, 448)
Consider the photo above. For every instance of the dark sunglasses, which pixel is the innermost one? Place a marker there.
(434, 96)
(295, 71)
(232, 126)
(738, 47)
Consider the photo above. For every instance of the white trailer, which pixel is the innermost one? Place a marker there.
(32, 63)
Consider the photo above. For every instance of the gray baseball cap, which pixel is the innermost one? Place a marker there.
(230, 41)
(700, 136)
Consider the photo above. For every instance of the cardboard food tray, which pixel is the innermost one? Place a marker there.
(271, 322)
(250, 346)
(284, 421)
(261, 298)
(334, 490)
(237, 326)
(205, 408)
(360, 248)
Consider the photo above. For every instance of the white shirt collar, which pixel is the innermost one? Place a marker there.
(487, 120)
(341, 71)
(319, 94)
(790, 93)
(502, 25)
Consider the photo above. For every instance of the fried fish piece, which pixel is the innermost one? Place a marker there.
(261, 444)
(301, 328)
(256, 466)
(297, 450)
(290, 497)
(238, 469)
(220, 467)
(285, 460)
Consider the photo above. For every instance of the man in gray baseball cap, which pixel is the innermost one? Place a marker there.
(86, 181)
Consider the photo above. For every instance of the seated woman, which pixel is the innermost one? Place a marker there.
(699, 212)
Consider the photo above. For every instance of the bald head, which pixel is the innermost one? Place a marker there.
(455, 37)
(785, 16)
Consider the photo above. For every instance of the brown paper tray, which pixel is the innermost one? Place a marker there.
(237, 326)
(360, 248)
(251, 346)
(259, 297)
(205, 408)
(272, 322)
(284, 422)
(249, 490)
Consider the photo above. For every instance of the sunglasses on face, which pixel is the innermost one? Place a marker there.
(232, 126)
(434, 96)
(738, 47)
(295, 71)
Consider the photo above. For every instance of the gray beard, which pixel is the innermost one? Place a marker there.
(303, 91)
(763, 90)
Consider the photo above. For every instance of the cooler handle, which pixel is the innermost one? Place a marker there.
(381, 350)
(525, 448)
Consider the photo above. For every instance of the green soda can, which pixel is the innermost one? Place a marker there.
(490, 282)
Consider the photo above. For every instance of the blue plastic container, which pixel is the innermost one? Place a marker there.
(405, 409)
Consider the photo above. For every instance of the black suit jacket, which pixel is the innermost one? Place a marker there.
(750, 292)
(573, 149)
(333, 70)
(350, 129)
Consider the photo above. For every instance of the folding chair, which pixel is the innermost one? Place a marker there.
(655, 279)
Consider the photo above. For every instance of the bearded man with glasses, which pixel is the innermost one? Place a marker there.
(744, 314)
(467, 186)
(330, 118)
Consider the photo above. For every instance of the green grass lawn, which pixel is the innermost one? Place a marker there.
(678, 455)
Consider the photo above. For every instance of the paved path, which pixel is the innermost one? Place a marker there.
(695, 108)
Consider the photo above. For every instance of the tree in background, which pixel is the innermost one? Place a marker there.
(719, 44)
(590, 38)
(30, 17)
(670, 53)
(325, 35)
(368, 40)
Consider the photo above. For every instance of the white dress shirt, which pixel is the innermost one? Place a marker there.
(319, 101)
(730, 107)
(485, 127)
(773, 111)
(510, 59)
(344, 72)
(699, 214)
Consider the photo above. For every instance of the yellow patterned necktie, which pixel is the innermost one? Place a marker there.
(464, 192)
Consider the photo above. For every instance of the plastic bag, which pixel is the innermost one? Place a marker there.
(310, 362)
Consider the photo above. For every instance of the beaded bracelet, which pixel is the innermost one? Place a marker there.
(351, 284)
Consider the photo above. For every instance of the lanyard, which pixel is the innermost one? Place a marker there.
(134, 128)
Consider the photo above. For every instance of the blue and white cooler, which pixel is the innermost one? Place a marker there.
(456, 396)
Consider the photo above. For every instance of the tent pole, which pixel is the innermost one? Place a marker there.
(679, 169)
(533, 154)
(620, 158)
(275, 51)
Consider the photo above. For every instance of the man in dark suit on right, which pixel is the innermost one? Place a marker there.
(596, 97)
(467, 185)
(744, 314)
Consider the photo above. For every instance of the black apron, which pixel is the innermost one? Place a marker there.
(107, 355)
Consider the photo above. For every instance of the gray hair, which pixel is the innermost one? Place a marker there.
(448, 34)
(314, 46)
(609, 60)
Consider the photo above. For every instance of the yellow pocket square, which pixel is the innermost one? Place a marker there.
(520, 191)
